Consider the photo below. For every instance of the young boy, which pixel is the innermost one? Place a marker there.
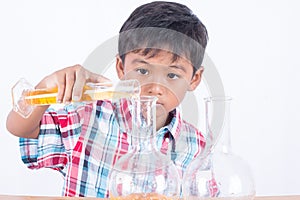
(161, 45)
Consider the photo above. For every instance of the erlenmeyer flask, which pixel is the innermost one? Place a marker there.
(144, 172)
(221, 173)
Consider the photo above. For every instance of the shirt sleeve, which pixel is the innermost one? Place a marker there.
(59, 131)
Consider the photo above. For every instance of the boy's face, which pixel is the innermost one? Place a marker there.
(160, 76)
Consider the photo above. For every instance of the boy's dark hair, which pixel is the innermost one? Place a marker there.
(162, 25)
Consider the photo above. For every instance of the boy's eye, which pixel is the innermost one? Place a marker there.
(143, 71)
(173, 76)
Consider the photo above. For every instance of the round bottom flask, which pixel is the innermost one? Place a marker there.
(221, 173)
(144, 172)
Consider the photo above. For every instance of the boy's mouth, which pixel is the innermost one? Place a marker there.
(159, 103)
(160, 109)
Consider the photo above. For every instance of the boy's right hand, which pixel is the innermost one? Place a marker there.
(70, 82)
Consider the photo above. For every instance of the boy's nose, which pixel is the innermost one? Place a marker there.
(154, 89)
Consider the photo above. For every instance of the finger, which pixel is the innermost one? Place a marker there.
(82, 77)
(57, 79)
(78, 85)
(70, 79)
(61, 85)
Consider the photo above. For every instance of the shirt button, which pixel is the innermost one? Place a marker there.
(167, 140)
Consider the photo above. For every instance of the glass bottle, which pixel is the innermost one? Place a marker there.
(221, 173)
(25, 97)
(144, 172)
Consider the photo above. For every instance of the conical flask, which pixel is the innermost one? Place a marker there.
(221, 173)
(144, 172)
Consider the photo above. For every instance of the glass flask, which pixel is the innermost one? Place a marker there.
(220, 173)
(144, 172)
(25, 97)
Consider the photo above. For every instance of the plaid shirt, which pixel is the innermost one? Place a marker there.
(84, 142)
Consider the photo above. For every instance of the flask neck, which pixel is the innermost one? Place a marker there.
(144, 123)
(218, 123)
(143, 139)
(224, 143)
(144, 144)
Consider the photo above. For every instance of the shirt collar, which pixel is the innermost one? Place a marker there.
(175, 124)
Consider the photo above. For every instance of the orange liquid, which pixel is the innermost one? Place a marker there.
(48, 96)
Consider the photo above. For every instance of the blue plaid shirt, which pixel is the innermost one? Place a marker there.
(85, 141)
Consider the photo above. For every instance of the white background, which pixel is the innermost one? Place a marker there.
(254, 45)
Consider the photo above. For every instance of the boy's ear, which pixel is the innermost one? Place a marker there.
(196, 79)
(119, 67)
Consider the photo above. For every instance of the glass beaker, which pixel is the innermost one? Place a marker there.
(144, 172)
(25, 97)
(221, 173)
